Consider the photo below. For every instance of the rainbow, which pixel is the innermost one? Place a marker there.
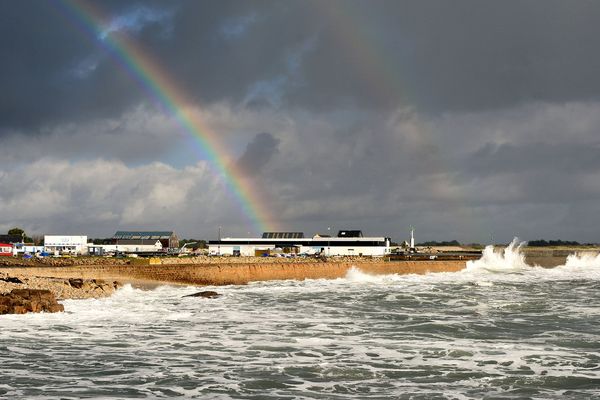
(160, 86)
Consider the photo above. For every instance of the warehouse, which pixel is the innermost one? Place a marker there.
(346, 243)
(144, 241)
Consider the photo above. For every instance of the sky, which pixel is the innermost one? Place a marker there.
(469, 120)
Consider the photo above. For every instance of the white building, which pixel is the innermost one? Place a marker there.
(150, 247)
(21, 248)
(136, 248)
(347, 243)
(59, 244)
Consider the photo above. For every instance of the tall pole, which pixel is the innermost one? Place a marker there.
(219, 246)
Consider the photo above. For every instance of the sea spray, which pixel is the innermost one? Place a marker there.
(354, 274)
(511, 259)
(585, 260)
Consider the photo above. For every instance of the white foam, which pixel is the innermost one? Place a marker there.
(354, 274)
(508, 260)
(583, 260)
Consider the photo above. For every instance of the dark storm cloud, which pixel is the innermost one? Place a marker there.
(258, 153)
(437, 55)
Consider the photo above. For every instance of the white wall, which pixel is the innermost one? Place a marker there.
(249, 250)
(65, 244)
(369, 251)
(133, 248)
(245, 251)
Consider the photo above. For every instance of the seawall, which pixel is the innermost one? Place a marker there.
(235, 273)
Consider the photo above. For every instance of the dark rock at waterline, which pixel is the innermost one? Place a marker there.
(21, 301)
(207, 294)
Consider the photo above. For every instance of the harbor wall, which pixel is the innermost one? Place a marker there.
(236, 273)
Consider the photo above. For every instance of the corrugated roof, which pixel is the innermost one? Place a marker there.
(146, 235)
(283, 235)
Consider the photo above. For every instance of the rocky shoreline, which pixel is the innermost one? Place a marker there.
(23, 293)
(62, 288)
(22, 301)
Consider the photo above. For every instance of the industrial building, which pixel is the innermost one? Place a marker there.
(62, 244)
(143, 242)
(346, 243)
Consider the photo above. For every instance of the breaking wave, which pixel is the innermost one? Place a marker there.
(511, 259)
(583, 261)
(506, 264)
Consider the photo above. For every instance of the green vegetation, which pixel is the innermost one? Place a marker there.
(20, 232)
(443, 243)
(555, 243)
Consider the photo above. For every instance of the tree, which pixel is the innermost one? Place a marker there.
(16, 232)
(20, 232)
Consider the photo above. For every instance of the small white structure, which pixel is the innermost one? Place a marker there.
(136, 248)
(21, 248)
(59, 244)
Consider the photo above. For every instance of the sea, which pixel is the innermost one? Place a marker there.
(500, 329)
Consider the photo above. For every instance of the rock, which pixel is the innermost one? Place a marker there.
(11, 279)
(208, 294)
(21, 301)
(77, 283)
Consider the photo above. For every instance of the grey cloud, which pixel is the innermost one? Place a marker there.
(97, 197)
(567, 158)
(258, 153)
(380, 173)
(138, 136)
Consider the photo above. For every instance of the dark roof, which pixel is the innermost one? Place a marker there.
(350, 234)
(132, 235)
(283, 235)
(10, 239)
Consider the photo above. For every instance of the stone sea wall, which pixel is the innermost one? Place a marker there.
(238, 273)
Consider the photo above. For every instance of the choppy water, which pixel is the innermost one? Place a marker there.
(499, 329)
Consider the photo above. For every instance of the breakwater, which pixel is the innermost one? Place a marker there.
(237, 273)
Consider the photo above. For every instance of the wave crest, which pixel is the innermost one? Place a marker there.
(510, 259)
